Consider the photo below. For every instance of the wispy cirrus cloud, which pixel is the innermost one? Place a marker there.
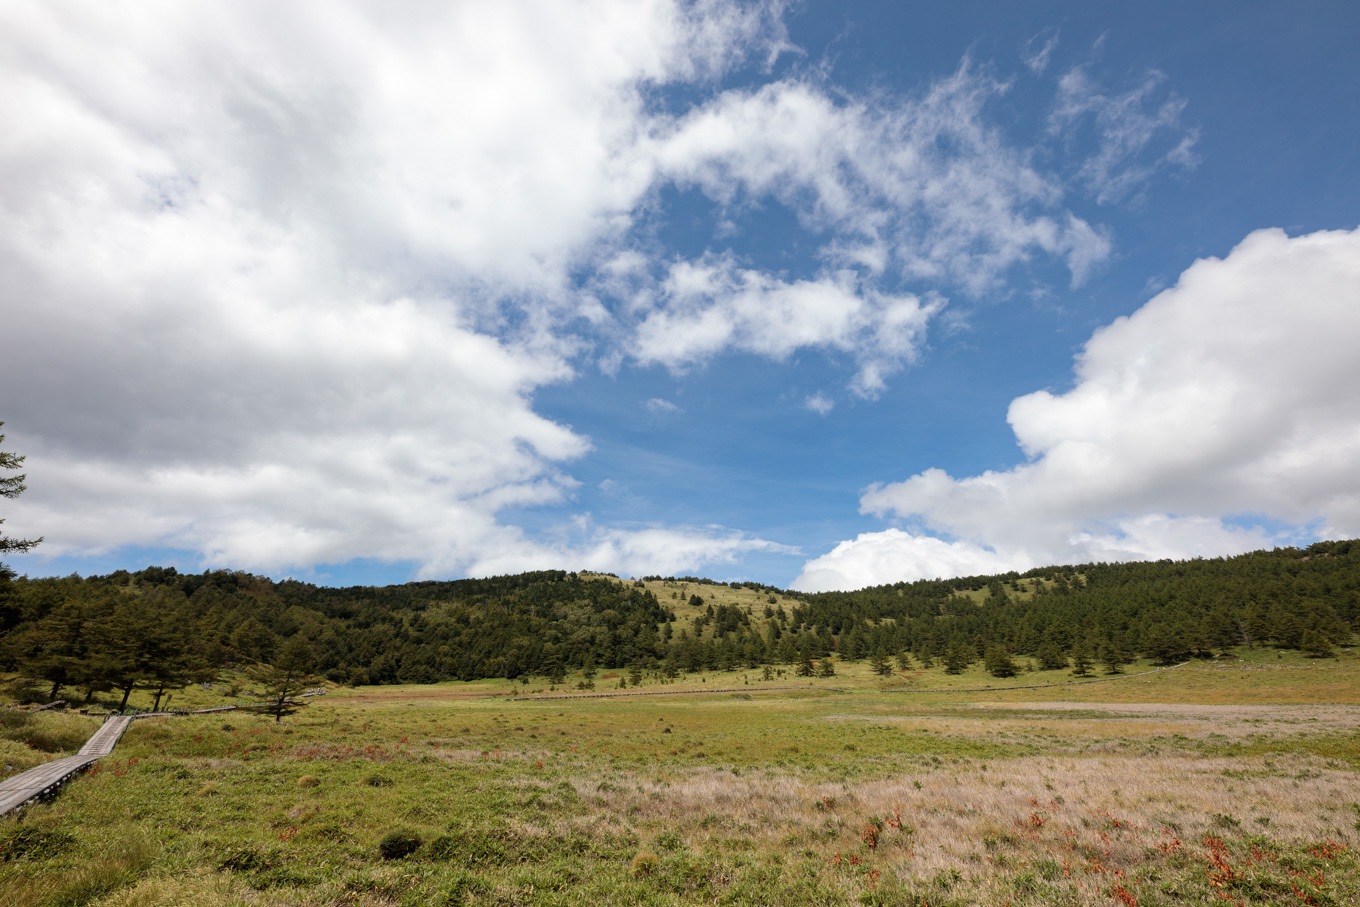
(923, 188)
(1135, 133)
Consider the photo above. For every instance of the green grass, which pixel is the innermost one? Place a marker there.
(1155, 787)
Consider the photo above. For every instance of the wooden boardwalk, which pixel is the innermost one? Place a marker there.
(44, 780)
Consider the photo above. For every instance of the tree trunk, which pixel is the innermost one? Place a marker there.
(56, 685)
(159, 690)
(127, 691)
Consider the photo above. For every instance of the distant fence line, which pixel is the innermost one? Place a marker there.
(620, 695)
(1040, 686)
(1036, 686)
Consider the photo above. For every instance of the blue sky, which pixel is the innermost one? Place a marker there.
(818, 294)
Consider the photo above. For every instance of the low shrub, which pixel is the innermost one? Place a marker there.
(401, 842)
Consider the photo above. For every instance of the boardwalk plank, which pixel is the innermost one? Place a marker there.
(46, 778)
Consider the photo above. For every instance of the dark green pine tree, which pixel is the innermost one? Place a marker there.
(1167, 645)
(956, 657)
(1081, 657)
(10, 487)
(826, 668)
(1316, 645)
(1051, 657)
(880, 665)
(56, 651)
(998, 663)
(1113, 656)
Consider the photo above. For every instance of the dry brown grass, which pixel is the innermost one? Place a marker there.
(1085, 822)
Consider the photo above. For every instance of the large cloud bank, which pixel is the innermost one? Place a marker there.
(1217, 418)
(254, 259)
(279, 282)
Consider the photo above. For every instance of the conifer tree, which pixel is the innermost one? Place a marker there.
(956, 657)
(55, 650)
(12, 487)
(1113, 657)
(826, 668)
(1081, 657)
(998, 663)
(286, 679)
(1315, 645)
(1051, 657)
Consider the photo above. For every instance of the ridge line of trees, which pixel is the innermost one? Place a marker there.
(158, 629)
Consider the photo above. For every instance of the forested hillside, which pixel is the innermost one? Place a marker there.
(160, 629)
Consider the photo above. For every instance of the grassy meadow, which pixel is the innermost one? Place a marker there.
(1228, 782)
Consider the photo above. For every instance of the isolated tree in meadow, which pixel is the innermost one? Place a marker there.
(805, 668)
(998, 662)
(904, 660)
(1113, 656)
(1081, 657)
(826, 668)
(880, 665)
(286, 678)
(1316, 645)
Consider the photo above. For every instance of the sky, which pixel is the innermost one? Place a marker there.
(821, 295)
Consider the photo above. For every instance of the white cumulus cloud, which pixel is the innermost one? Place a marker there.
(252, 260)
(1223, 402)
(714, 306)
